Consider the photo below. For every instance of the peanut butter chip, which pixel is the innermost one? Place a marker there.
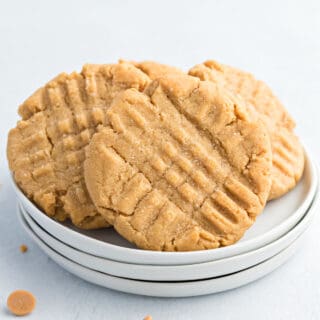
(21, 302)
(23, 248)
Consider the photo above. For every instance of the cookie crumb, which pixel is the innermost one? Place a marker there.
(23, 248)
(21, 302)
(147, 318)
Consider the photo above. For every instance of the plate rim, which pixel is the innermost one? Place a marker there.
(298, 230)
(168, 289)
(135, 255)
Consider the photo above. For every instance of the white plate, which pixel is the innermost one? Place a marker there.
(174, 273)
(277, 219)
(167, 289)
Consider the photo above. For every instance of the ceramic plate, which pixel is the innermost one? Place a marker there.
(175, 273)
(167, 289)
(277, 219)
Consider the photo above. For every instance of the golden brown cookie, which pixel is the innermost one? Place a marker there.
(288, 154)
(182, 166)
(46, 149)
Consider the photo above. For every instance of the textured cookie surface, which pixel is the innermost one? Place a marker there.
(181, 166)
(155, 70)
(46, 149)
(288, 154)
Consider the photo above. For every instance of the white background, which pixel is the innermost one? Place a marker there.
(277, 40)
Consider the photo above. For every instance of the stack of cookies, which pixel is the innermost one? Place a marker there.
(174, 161)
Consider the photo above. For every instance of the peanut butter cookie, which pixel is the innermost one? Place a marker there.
(288, 154)
(46, 149)
(182, 166)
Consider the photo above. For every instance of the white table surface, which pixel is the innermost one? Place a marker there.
(277, 40)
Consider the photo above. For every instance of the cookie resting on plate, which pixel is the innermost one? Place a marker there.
(287, 151)
(46, 149)
(179, 167)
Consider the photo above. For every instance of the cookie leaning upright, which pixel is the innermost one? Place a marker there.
(46, 149)
(181, 166)
(288, 154)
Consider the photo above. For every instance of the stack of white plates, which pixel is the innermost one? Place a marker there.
(104, 258)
